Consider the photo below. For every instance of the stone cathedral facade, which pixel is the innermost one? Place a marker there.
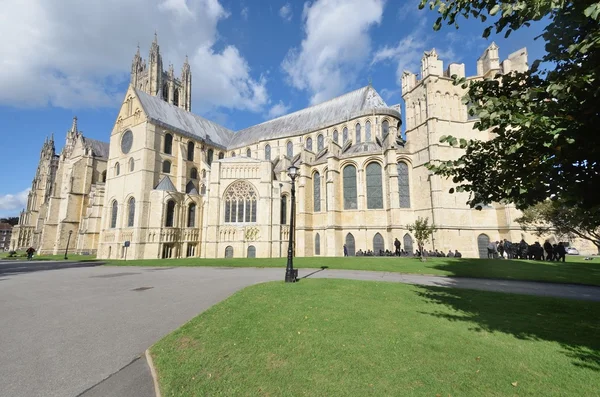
(174, 184)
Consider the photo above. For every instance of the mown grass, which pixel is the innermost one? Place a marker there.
(576, 272)
(22, 255)
(356, 338)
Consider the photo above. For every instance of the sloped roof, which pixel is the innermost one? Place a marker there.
(182, 121)
(166, 185)
(99, 148)
(331, 112)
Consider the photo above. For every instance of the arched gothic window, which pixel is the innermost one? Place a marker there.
(130, 212)
(290, 150)
(103, 176)
(166, 92)
(251, 251)
(203, 174)
(403, 185)
(350, 199)
(283, 213)
(113, 214)
(368, 131)
(345, 135)
(221, 155)
(176, 97)
(385, 129)
(317, 244)
(309, 144)
(203, 190)
(190, 151)
(320, 142)
(483, 241)
(350, 244)
(232, 154)
(317, 192)
(131, 165)
(335, 136)
(357, 129)
(166, 167)
(209, 156)
(194, 173)
(117, 169)
(240, 203)
(191, 219)
(268, 152)
(408, 243)
(170, 218)
(229, 252)
(168, 147)
(374, 187)
(248, 153)
(378, 244)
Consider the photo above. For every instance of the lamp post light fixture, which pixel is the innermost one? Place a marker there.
(291, 275)
(68, 241)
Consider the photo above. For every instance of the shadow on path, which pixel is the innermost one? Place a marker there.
(11, 268)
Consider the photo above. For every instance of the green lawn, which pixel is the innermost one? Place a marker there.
(356, 338)
(574, 271)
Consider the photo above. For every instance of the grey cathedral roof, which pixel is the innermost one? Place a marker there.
(333, 111)
(99, 148)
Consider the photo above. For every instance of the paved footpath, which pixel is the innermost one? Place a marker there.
(82, 331)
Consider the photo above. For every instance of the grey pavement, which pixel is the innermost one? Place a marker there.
(83, 330)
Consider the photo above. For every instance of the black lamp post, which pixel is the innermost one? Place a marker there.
(291, 275)
(68, 241)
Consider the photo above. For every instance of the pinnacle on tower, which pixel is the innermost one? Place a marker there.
(74, 125)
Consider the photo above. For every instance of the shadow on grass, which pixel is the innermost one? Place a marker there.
(573, 326)
(22, 267)
(586, 273)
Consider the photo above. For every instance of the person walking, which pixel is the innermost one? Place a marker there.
(345, 250)
(30, 251)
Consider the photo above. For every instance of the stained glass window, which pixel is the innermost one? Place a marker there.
(229, 252)
(283, 214)
(335, 136)
(309, 144)
(350, 199)
(209, 156)
(170, 218)
(403, 185)
(190, 151)
(350, 245)
(113, 214)
(130, 212)
(194, 173)
(385, 128)
(317, 244)
(357, 128)
(126, 141)
(374, 188)
(378, 244)
(168, 149)
(192, 215)
(290, 150)
(317, 192)
(368, 131)
(345, 135)
(251, 251)
(320, 142)
(268, 152)
(166, 168)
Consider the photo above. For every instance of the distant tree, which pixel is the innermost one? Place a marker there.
(422, 231)
(550, 217)
(11, 220)
(545, 121)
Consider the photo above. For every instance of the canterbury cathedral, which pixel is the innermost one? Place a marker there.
(171, 184)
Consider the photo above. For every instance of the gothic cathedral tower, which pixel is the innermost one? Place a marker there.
(153, 80)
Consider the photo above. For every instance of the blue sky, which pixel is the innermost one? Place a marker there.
(250, 61)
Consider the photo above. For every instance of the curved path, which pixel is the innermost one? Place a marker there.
(82, 331)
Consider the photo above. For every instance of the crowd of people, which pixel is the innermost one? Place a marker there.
(399, 251)
(509, 250)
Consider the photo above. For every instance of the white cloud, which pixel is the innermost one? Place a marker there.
(285, 12)
(245, 12)
(336, 46)
(410, 11)
(279, 109)
(12, 204)
(73, 59)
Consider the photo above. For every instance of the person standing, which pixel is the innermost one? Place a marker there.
(30, 251)
(560, 253)
(397, 245)
(548, 249)
(345, 250)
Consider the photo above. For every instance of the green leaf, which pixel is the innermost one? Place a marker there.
(495, 10)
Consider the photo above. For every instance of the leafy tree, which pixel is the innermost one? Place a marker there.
(545, 121)
(422, 231)
(11, 220)
(550, 217)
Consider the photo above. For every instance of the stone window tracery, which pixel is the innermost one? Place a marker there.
(268, 152)
(385, 128)
(168, 147)
(240, 203)
(194, 173)
(335, 136)
(192, 215)
(283, 213)
(345, 135)
(190, 151)
(209, 156)
(290, 150)
(170, 218)
(320, 142)
(368, 131)
(248, 153)
(357, 129)
(309, 144)
(113, 214)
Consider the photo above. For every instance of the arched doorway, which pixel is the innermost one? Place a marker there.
(251, 251)
(482, 243)
(350, 244)
(229, 252)
(378, 244)
(408, 244)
